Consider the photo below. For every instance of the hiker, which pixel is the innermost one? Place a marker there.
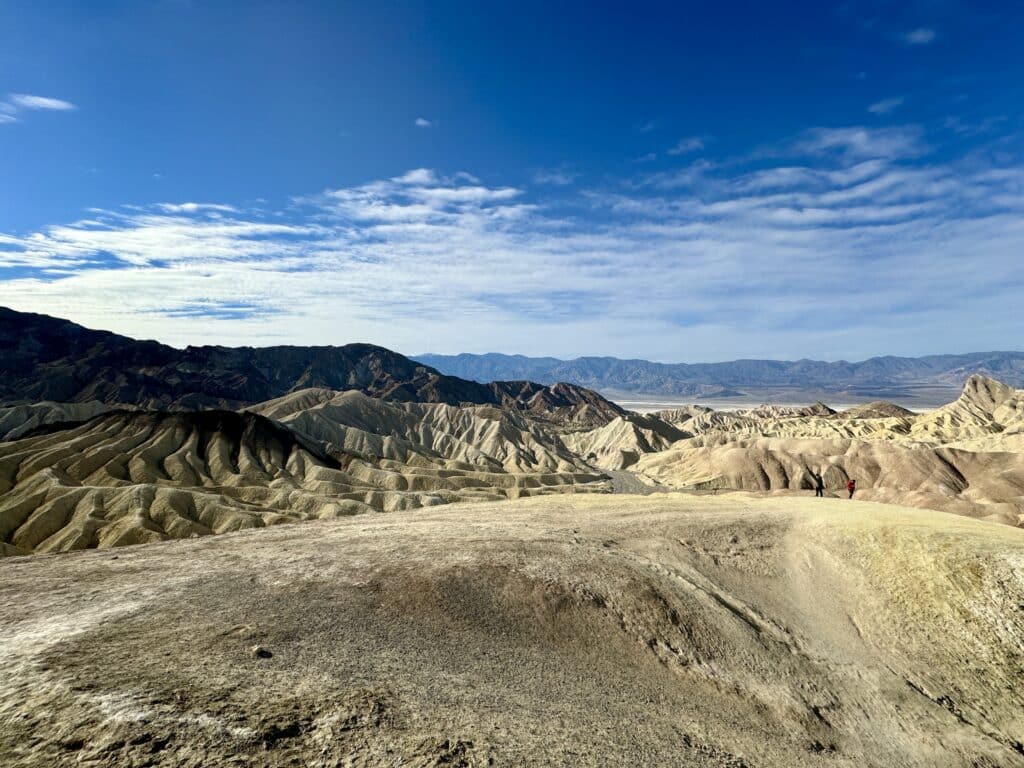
(851, 486)
(819, 485)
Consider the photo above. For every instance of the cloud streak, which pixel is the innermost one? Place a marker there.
(885, 106)
(558, 177)
(687, 145)
(23, 102)
(919, 36)
(859, 142)
(26, 101)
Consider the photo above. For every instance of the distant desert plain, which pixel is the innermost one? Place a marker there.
(339, 556)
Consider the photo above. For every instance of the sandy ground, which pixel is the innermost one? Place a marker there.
(665, 630)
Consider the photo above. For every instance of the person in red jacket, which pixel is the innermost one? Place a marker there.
(851, 486)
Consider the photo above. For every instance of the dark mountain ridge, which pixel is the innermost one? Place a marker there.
(46, 358)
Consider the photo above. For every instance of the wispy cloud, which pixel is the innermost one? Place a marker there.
(23, 102)
(558, 177)
(422, 122)
(885, 106)
(861, 142)
(919, 36)
(843, 243)
(974, 127)
(687, 145)
(26, 101)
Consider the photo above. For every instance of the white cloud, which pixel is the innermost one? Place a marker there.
(687, 145)
(852, 254)
(422, 122)
(194, 207)
(417, 176)
(919, 36)
(885, 106)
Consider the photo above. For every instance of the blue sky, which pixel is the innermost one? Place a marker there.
(679, 182)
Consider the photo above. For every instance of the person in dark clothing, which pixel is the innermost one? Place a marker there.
(819, 485)
(851, 486)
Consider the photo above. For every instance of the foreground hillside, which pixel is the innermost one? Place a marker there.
(666, 630)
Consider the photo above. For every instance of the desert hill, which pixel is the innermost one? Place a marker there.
(879, 409)
(987, 413)
(724, 632)
(987, 485)
(966, 457)
(618, 444)
(47, 359)
(484, 438)
(129, 477)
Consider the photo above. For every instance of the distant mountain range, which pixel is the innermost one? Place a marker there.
(44, 358)
(878, 376)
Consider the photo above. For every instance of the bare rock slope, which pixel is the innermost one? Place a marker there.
(584, 630)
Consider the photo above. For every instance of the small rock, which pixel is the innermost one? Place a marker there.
(259, 652)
